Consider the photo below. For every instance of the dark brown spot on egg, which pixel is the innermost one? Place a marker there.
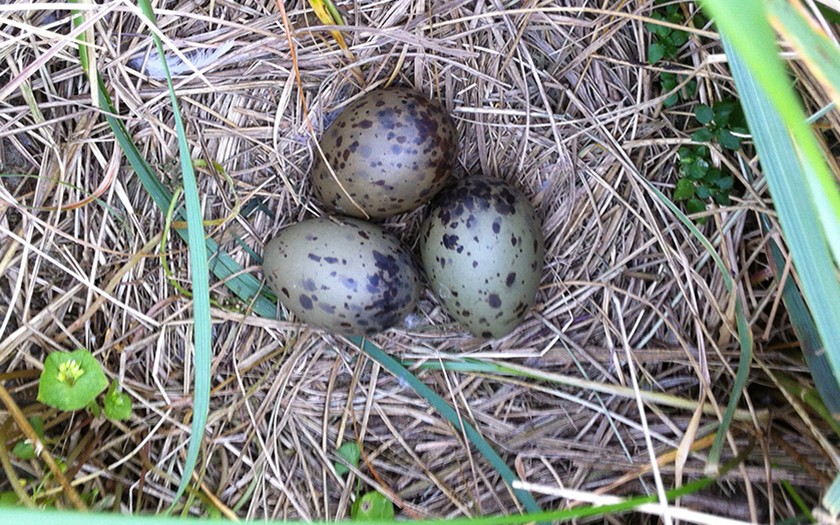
(494, 301)
(450, 241)
(510, 279)
(305, 302)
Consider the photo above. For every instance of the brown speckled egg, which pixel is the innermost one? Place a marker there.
(345, 276)
(482, 249)
(392, 150)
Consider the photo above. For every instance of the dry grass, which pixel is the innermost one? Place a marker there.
(555, 96)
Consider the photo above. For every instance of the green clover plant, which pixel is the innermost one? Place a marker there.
(73, 380)
(699, 181)
(665, 44)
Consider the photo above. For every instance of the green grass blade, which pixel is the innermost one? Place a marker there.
(745, 339)
(244, 285)
(745, 342)
(786, 173)
(200, 276)
(806, 331)
(813, 46)
(393, 366)
(799, 218)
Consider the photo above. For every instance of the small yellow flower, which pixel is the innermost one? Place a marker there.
(69, 372)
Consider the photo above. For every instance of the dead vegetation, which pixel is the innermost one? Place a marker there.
(554, 96)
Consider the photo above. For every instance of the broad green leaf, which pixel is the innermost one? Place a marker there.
(702, 135)
(117, 404)
(723, 111)
(679, 38)
(373, 506)
(71, 380)
(704, 114)
(9, 499)
(351, 453)
(697, 169)
(684, 190)
(728, 140)
(656, 29)
(655, 52)
(725, 183)
(703, 191)
(24, 450)
(695, 206)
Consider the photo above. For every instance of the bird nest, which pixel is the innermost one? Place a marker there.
(614, 384)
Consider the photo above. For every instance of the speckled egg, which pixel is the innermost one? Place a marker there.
(482, 249)
(345, 276)
(391, 150)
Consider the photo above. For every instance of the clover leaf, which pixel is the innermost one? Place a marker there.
(71, 380)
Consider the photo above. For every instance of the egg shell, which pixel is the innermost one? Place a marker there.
(346, 276)
(391, 150)
(482, 249)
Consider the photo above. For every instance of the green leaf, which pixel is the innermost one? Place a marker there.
(351, 453)
(71, 380)
(684, 190)
(723, 111)
(695, 206)
(703, 191)
(725, 183)
(117, 404)
(94, 408)
(697, 170)
(704, 114)
(656, 29)
(656, 52)
(25, 450)
(670, 48)
(690, 89)
(679, 38)
(702, 135)
(373, 506)
(671, 100)
(728, 140)
(9, 499)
